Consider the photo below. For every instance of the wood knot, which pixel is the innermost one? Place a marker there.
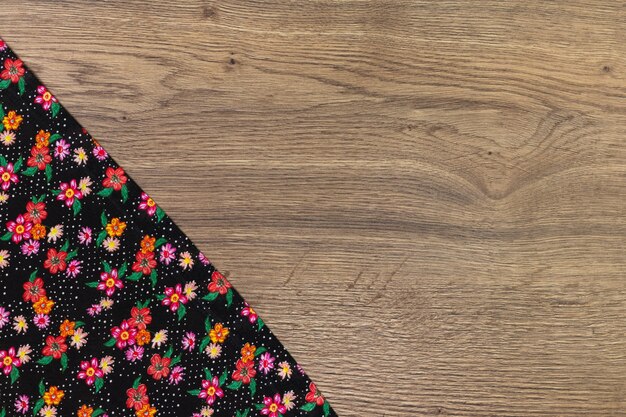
(209, 12)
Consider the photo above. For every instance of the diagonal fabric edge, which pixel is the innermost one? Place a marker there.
(106, 306)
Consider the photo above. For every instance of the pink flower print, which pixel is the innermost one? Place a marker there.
(20, 229)
(45, 98)
(90, 370)
(7, 176)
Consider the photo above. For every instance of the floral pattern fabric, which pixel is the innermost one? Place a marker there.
(106, 307)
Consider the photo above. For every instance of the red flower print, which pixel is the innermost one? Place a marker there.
(124, 334)
(55, 261)
(244, 372)
(109, 281)
(174, 297)
(69, 192)
(20, 229)
(90, 370)
(314, 396)
(7, 176)
(35, 212)
(219, 283)
(159, 366)
(40, 157)
(210, 390)
(34, 290)
(9, 359)
(44, 97)
(115, 178)
(55, 347)
(13, 70)
(145, 262)
(273, 406)
(137, 397)
(140, 317)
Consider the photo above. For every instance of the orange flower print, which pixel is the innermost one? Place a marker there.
(115, 227)
(146, 411)
(43, 306)
(12, 120)
(247, 352)
(143, 337)
(53, 396)
(147, 244)
(218, 333)
(67, 328)
(85, 411)
(42, 139)
(38, 231)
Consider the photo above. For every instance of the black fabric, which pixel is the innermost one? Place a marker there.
(106, 307)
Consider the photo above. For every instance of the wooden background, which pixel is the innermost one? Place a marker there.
(423, 199)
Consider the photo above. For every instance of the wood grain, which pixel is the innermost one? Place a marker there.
(424, 200)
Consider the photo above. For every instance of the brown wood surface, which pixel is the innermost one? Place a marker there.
(423, 199)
